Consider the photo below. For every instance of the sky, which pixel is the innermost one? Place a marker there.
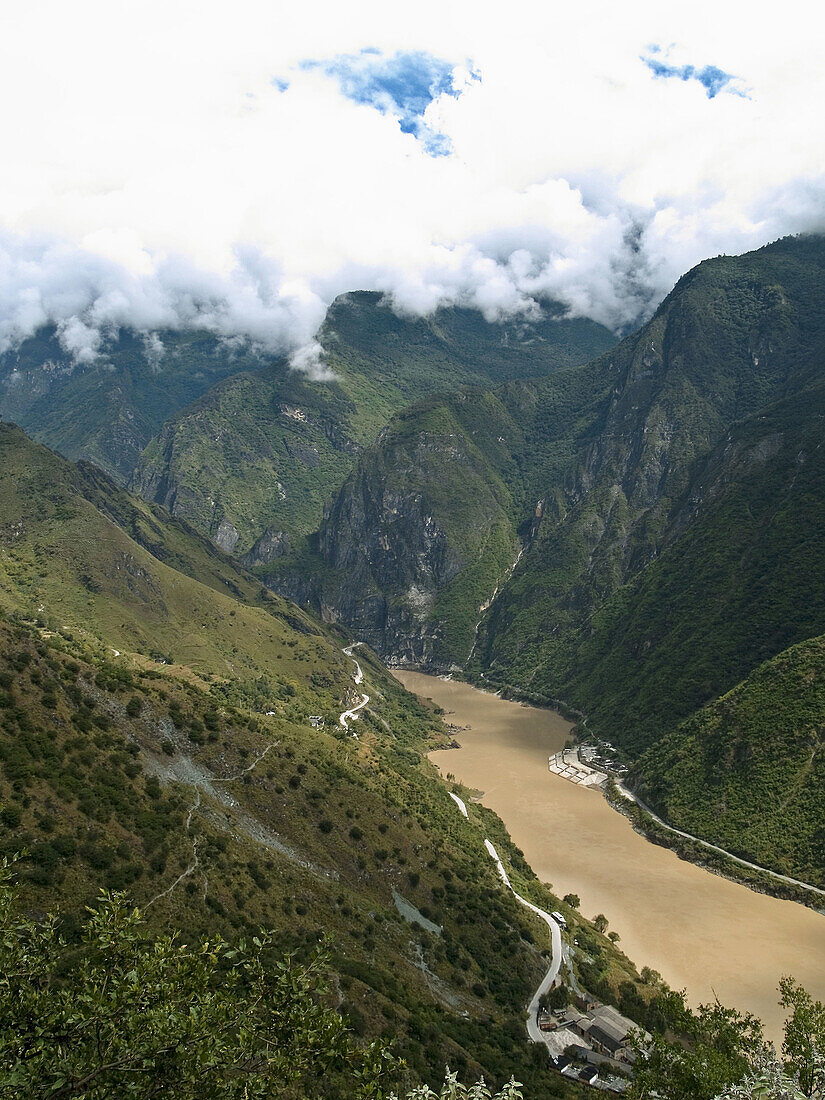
(235, 167)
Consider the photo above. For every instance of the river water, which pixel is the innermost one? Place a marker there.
(701, 932)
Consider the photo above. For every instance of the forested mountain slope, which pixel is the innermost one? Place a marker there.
(108, 409)
(748, 770)
(736, 335)
(154, 738)
(740, 577)
(266, 451)
(433, 516)
(252, 463)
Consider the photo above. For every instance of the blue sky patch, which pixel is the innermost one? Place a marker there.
(403, 85)
(713, 79)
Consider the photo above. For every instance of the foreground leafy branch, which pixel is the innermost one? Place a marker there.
(125, 1016)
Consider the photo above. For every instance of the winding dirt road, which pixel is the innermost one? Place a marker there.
(351, 715)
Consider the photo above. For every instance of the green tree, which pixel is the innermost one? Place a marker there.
(123, 1015)
(600, 923)
(804, 1033)
(721, 1046)
(573, 900)
(129, 1017)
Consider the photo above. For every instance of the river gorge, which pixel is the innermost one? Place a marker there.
(702, 932)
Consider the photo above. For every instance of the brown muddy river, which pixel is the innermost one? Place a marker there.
(701, 932)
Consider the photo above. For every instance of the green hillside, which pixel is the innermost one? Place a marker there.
(108, 410)
(154, 738)
(593, 467)
(747, 771)
(77, 552)
(742, 582)
(736, 335)
(252, 463)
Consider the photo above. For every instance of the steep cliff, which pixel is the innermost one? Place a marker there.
(735, 336)
(252, 462)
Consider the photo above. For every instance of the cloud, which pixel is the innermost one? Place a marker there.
(209, 196)
(714, 80)
(87, 296)
(309, 360)
(402, 85)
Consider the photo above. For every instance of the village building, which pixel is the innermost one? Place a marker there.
(605, 1029)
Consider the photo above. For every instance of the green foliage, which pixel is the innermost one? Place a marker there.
(264, 451)
(222, 855)
(721, 1046)
(108, 410)
(804, 1042)
(120, 1016)
(720, 1053)
(746, 772)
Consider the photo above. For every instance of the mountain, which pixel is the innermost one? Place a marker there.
(80, 552)
(155, 738)
(666, 499)
(431, 519)
(253, 461)
(738, 578)
(589, 465)
(108, 409)
(747, 771)
(735, 336)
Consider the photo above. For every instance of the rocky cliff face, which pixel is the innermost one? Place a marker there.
(613, 451)
(417, 537)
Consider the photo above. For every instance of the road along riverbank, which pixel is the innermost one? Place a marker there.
(546, 984)
(702, 932)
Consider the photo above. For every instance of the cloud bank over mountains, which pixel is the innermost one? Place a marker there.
(235, 174)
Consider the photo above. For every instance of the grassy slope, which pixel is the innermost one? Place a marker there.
(747, 771)
(266, 450)
(62, 559)
(310, 840)
(111, 767)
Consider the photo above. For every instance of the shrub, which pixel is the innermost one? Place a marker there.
(11, 816)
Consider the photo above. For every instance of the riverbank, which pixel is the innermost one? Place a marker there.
(703, 853)
(709, 856)
(702, 932)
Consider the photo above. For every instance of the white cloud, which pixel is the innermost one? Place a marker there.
(155, 176)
